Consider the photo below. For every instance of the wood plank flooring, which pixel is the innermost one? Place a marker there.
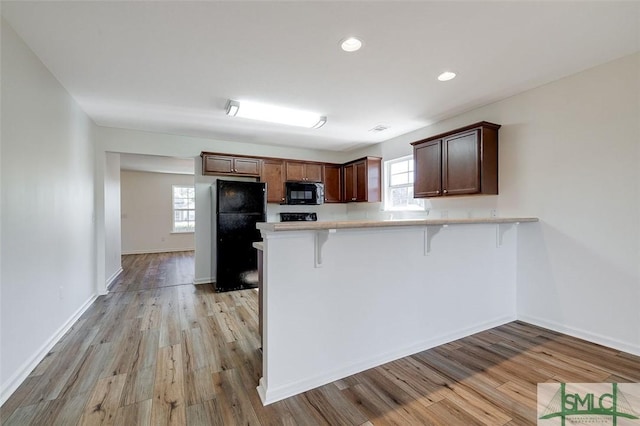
(148, 271)
(184, 355)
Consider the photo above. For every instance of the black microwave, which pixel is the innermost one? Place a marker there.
(304, 193)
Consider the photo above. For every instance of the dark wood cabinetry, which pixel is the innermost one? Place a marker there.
(363, 180)
(227, 165)
(461, 162)
(357, 181)
(272, 174)
(427, 159)
(332, 183)
(297, 171)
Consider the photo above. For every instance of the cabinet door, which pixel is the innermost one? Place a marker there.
(294, 171)
(427, 169)
(313, 172)
(461, 164)
(246, 166)
(273, 176)
(216, 164)
(349, 178)
(360, 181)
(374, 179)
(332, 183)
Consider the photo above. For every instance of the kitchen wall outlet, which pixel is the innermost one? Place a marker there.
(493, 213)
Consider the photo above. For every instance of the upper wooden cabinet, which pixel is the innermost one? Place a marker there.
(357, 181)
(272, 174)
(363, 180)
(300, 171)
(461, 162)
(213, 164)
(428, 178)
(332, 183)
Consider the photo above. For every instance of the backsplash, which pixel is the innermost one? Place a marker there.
(451, 207)
(326, 212)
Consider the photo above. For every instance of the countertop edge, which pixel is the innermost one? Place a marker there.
(355, 224)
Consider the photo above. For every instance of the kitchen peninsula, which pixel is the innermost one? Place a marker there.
(341, 297)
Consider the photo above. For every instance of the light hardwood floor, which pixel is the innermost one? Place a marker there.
(147, 271)
(186, 355)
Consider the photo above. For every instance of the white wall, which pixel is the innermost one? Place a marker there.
(147, 213)
(570, 155)
(47, 244)
(377, 297)
(113, 262)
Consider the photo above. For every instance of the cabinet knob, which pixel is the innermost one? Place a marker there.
(438, 191)
(445, 191)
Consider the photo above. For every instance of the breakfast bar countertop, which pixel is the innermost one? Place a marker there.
(315, 226)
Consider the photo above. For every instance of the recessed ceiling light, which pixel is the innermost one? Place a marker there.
(351, 44)
(446, 76)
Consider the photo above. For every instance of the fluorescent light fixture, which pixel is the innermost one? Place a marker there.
(446, 76)
(275, 114)
(351, 44)
(232, 108)
(321, 122)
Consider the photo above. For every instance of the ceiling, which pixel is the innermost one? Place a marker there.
(156, 164)
(171, 66)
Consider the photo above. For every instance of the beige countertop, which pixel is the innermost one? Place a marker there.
(353, 224)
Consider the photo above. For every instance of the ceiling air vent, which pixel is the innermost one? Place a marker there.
(379, 128)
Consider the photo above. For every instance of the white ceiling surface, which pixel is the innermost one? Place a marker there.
(157, 164)
(171, 66)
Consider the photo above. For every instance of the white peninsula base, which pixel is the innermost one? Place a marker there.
(342, 297)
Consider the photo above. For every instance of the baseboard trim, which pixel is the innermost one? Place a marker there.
(582, 334)
(113, 277)
(10, 386)
(209, 280)
(271, 395)
(152, 251)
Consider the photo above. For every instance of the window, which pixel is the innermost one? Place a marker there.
(398, 194)
(184, 208)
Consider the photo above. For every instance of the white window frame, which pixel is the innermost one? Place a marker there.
(174, 210)
(388, 188)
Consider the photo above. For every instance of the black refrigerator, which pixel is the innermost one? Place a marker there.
(239, 206)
